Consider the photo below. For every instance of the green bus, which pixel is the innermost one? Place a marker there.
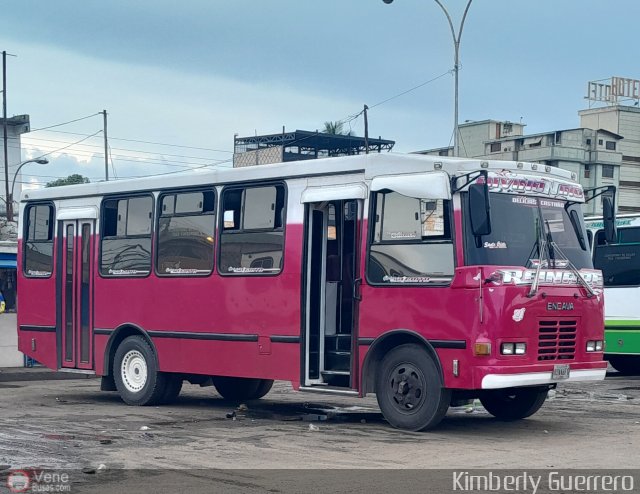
(620, 265)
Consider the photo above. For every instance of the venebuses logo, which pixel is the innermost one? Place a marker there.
(38, 480)
(18, 481)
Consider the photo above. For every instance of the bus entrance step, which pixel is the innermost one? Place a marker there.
(335, 372)
(338, 361)
(338, 342)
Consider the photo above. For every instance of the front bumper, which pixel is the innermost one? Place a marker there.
(499, 381)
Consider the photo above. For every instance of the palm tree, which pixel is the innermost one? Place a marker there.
(337, 128)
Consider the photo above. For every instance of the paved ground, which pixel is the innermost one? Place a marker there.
(72, 424)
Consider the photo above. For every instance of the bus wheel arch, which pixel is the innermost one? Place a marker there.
(121, 333)
(137, 376)
(408, 382)
(385, 343)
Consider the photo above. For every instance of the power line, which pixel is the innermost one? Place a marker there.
(66, 147)
(64, 123)
(412, 89)
(149, 142)
(133, 159)
(101, 147)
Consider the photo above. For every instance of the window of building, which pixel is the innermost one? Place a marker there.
(252, 236)
(588, 141)
(607, 171)
(126, 236)
(611, 145)
(600, 142)
(411, 241)
(443, 152)
(495, 147)
(38, 256)
(186, 233)
(587, 171)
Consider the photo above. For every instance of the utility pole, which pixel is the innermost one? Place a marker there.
(456, 66)
(106, 145)
(366, 130)
(9, 206)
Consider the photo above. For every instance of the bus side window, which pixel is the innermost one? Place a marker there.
(126, 236)
(252, 237)
(412, 241)
(185, 233)
(38, 252)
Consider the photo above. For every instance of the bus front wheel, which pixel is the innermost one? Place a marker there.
(136, 374)
(241, 388)
(409, 389)
(514, 403)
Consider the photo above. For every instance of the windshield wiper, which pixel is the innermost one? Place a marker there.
(574, 270)
(550, 247)
(550, 244)
(541, 242)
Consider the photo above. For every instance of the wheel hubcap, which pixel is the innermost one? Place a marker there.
(134, 371)
(408, 387)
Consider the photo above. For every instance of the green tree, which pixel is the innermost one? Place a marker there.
(76, 178)
(337, 128)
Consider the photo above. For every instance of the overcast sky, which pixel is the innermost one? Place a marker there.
(194, 73)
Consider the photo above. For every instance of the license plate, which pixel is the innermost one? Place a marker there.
(560, 371)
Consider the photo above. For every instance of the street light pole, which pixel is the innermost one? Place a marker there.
(41, 161)
(456, 67)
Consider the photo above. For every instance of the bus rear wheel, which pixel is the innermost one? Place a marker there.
(136, 373)
(409, 389)
(627, 365)
(514, 403)
(241, 388)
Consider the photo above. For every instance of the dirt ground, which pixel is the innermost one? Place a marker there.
(73, 425)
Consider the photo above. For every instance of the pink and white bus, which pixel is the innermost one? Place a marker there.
(427, 281)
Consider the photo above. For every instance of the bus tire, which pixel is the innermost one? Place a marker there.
(172, 388)
(514, 403)
(409, 389)
(627, 365)
(136, 373)
(241, 388)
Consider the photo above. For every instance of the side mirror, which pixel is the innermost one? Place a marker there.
(609, 220)
(480, 209)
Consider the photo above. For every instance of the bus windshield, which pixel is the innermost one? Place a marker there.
(516, 223)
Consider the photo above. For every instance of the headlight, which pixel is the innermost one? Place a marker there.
(515, 348)
(595, 346)
(507, 349)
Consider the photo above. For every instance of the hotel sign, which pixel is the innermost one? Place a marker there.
(617, 89)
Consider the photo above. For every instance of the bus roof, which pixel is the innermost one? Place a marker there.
(371, 165)
(622, 220)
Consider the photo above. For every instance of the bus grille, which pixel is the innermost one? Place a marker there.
(557, 339)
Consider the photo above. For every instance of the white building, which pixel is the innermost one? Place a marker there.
(625, 121)
(592, 155)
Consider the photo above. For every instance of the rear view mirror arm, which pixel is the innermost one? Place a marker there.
(469, 177)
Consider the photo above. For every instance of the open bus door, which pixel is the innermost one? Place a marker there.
(330, 303)
(75, 290)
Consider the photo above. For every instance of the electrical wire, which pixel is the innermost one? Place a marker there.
(65, 123)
